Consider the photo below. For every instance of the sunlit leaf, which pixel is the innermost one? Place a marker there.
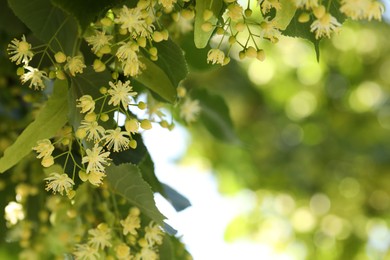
(51, 118)
(201, 37)
(126, 180)
(154, 78)
(285, 15)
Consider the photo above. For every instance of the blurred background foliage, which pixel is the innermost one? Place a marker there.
(315, 144)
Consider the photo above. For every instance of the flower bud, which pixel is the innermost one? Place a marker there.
(99, 66)
(260, 55)
(60, 75)
(304, 18)
(251, 52)
(104, 117)
(60, 57)
(83, 176)
(131, 125)
(81, 133)
(157, 36)
(248, 12)
(153, 51)
(146, 124)
(187, 14)
(319, 11)
(240, 26)
(47, 161)
(106, 21)
(207, 27)
(142, 105)
(133, 144)
(207, 14)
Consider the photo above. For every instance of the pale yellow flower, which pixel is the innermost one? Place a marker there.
(135, 21)
(234, 11)
(94, 131)
(167, 4)
(44, 148)
(86, 103)
(122, 252)
(128, 55)
(154, 234)
(20, 51)
(130, 224)
(120, 93)
(147, 253)
(100, 237)
(35, 76)
(86, 252)
(96, 178)
(355, 9)
(99, 40)
(375, 11)
(324, 26)
(59, 183)
(190, 110)
(96, 159)
(269, 30)
(75, 65)
(215, 56)
(117, 139)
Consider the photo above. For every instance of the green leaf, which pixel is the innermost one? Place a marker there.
(154, 78)
(302, 30)
(285, 15)
(171, 60)
(86, 11)
(51, 118)
(48, 23)
(215, 116)
(126, 180)
(201, 38)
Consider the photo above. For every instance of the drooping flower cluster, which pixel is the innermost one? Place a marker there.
(136, 241)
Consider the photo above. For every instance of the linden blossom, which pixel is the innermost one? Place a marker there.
(120, 93)
(20, 51)
(99, 40)
(189, 110)
(96, 159)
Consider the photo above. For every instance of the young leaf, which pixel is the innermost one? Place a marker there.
(215, 116)
(126, 180)
(52, 117)
(157, 81)
(201, 37)
(48, 23)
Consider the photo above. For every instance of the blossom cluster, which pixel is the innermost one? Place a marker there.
(119, 41)
(241, 29)
(135, 242)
